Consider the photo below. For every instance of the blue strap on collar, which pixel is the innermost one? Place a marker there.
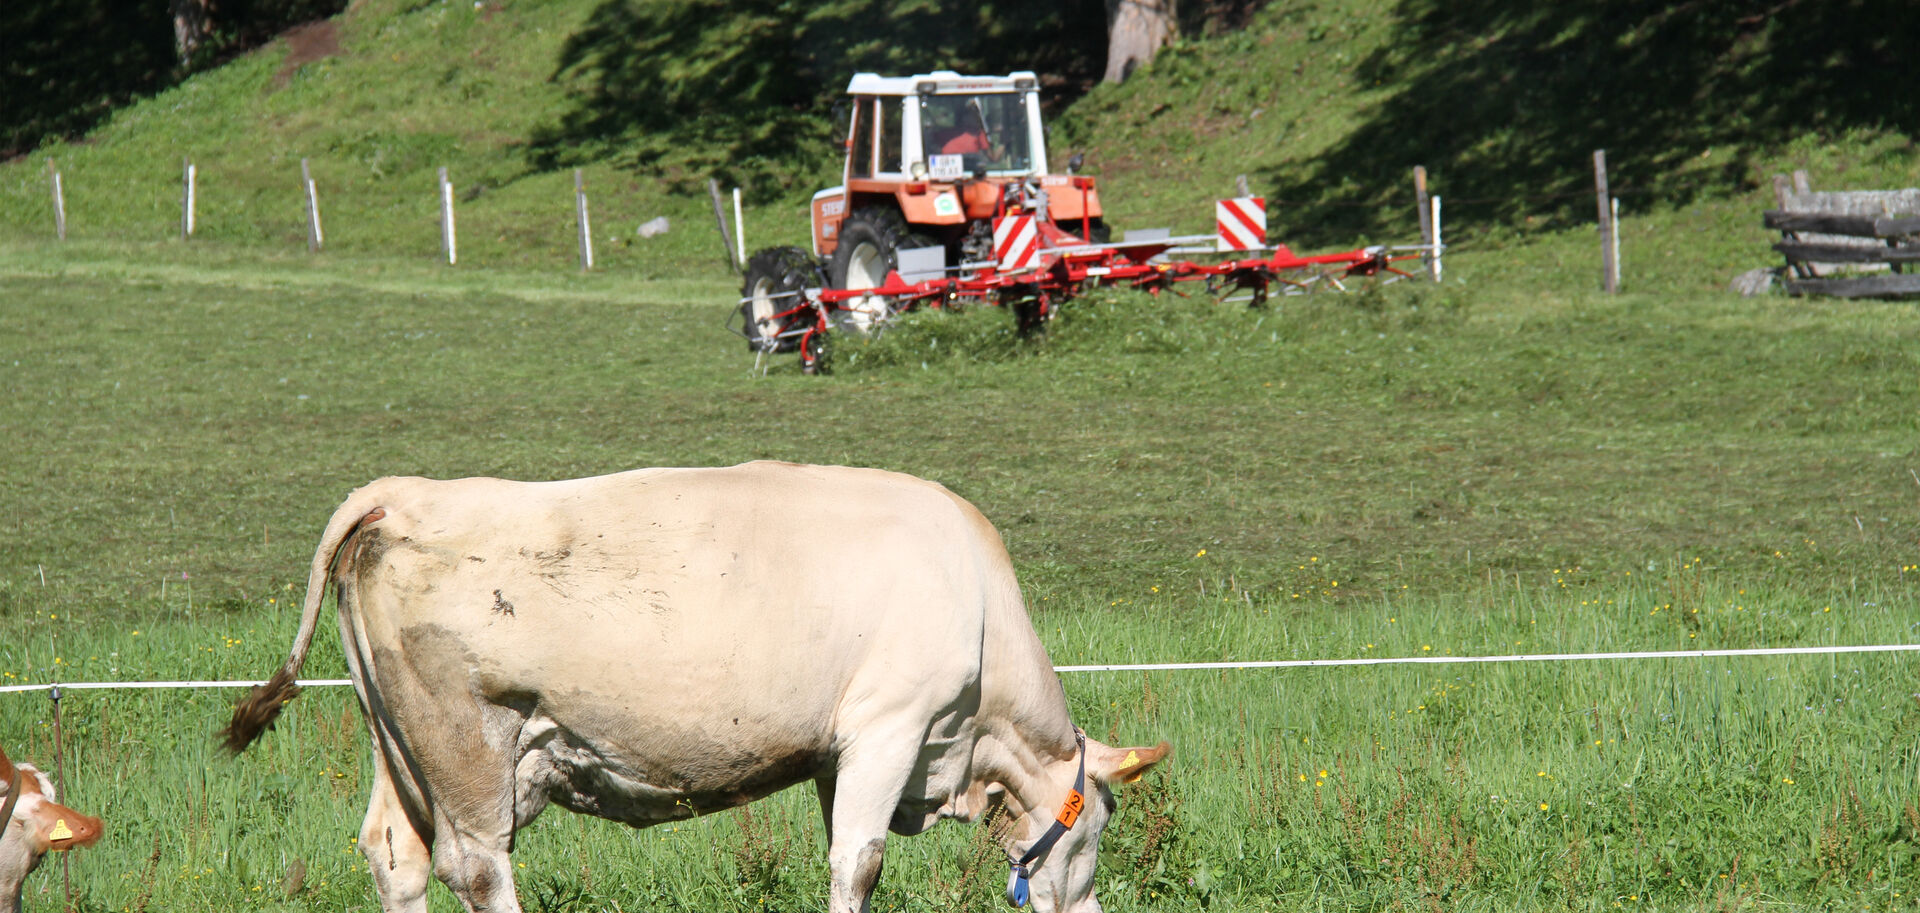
(1017, 892)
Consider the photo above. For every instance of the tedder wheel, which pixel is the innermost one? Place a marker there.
(775, 277)
(871, 239)
(815, 352)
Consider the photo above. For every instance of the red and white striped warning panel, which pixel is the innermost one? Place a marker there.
(1242, 223)
(1016, 242)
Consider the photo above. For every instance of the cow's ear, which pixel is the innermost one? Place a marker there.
(1123, 765)
(63, 828)
(6, 772)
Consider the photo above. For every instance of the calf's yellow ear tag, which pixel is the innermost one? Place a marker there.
(1133, 757)
(60, 830)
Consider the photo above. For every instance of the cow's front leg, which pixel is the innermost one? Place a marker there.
(860, 803)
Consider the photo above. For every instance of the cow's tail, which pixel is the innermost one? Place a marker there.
(257, 711)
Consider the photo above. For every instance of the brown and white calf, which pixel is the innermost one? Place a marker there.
(33, 824)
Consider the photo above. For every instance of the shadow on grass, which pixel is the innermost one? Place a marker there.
(69, 64)
(747, 89)
(1505, 103)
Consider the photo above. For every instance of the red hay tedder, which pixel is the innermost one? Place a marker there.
(947, 198)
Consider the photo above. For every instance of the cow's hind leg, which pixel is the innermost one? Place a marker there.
(476, 867)
(473, 833)
(396, 851)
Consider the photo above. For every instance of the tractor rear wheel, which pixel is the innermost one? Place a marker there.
(772, 309)
(871, 239)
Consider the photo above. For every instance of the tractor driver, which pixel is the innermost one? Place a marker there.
(966, 130)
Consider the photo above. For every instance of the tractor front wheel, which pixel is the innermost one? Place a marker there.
(871, 239)
(774, 307)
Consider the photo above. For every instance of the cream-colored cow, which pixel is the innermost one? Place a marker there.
(664, 643)
(31, 824)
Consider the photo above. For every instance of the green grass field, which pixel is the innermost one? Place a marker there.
(1509, 462)
(1470, 469)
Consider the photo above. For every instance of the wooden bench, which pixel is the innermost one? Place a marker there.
(1849, 243)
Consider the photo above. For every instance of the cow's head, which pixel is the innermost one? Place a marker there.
(1060, 879)
(34, 825)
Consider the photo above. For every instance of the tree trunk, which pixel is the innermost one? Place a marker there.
(1136, 30)
(192, 25)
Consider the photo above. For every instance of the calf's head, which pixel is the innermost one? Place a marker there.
(34, 824)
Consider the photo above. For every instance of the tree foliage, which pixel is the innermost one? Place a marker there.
(68, 63)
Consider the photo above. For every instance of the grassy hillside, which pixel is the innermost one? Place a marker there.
(1325, 106)
(382, 98)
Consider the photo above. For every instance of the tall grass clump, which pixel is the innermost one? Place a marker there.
(927, 337)
(1116, 323)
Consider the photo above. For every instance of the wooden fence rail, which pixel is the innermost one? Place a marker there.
(1848, 244)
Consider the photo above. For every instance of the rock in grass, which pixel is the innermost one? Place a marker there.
(1752, 282)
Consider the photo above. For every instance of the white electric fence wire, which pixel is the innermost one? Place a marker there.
(1171, 667)
(1518, 658)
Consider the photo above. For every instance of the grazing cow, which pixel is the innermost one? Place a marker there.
(31, 823)
(664, 643)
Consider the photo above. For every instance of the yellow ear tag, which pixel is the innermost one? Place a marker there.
(1133, 757)
(60, 830)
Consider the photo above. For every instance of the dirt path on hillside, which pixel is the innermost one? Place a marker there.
(306, 44)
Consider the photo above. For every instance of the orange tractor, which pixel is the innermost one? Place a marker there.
(947, 195)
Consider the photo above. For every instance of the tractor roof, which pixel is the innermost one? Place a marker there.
(940, 82)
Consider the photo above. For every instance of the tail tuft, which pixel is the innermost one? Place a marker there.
(256, 712)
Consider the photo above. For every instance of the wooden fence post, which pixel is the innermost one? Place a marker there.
(1609, 270)
(315, 240)
(59, 201)
(187, 174)
(720, 218)
(1423, 208)
(580, 220)
(446, 218)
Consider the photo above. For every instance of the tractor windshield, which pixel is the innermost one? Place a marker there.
(983, 131)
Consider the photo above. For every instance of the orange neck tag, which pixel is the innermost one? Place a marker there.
(1070, 809)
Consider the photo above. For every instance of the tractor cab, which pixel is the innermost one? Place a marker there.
(935, 157)
(979, 134)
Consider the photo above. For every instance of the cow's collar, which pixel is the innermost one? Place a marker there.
(1069, 813)
(13, 798)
